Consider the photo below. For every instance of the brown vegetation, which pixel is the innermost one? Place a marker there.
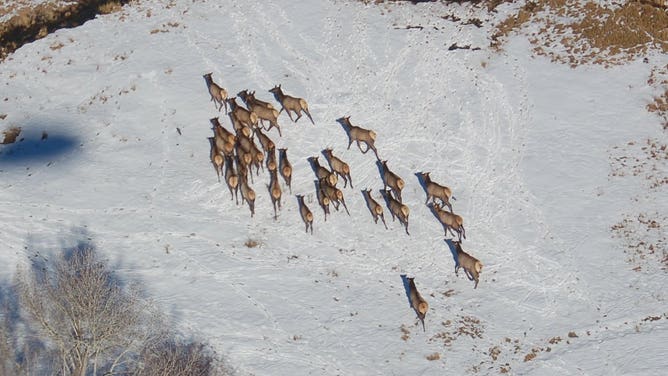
(598, 34)
(34, 22)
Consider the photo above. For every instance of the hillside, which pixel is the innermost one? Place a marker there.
(558, 172)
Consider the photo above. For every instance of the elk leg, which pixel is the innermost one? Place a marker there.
(289, 114)
(309, 116)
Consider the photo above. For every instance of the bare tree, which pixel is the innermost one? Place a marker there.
(83, 311)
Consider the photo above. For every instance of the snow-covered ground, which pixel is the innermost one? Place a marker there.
(524, 144)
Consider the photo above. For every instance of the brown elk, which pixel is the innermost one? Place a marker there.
(392, 180)
(271, 160)
(397, 209)
(417, 301)
(323, 200)
(435, 190)
(216, 158)
(374, 207)
(218, 94)
(245, 117)
(246, 96)
(450, 221)
(266, 142)
(247, 194)
(275, 192)
(472, 266)
(258, 156)
(322, 172)
(340, 167)
(334, 194)
(263, 112)
(232, 178)
(307, 215)
(244, 159)
(288, 103)
(224, 139)
(285, 167)
(358, 135)
(240, 128)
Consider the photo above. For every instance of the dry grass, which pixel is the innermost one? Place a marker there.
(644, 240)
(659, 80)
(10, 135)
(579, 32)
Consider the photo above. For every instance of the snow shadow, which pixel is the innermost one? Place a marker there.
(407, 289)
(34, 147)
(453, 250)
(421, 181)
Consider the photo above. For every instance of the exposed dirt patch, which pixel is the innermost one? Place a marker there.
(30, 23)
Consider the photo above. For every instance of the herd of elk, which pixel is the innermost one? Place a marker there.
(234, 154)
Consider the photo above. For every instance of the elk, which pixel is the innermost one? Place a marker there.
(358, 135)
(275, 192)
(450, 221)
(266, 142)
(232, 178)
(288, 103)
(247, 96)
(285, 167)
(239, 127)
(435, 190)
(307, 215)
(374, 207)
(417, 301)
(263, 112)
(333, 194)
(397, 209)
(323, 200)
(322, 172)
(247, 194)
(340, 167)
(218, 94)
(245, 117)
(244, 160)
(392, 180)
(224, 139)
(216, 159)
(258, 157)
(472, 266)
(271, 160)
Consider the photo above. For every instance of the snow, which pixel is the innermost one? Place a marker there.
(523, 143)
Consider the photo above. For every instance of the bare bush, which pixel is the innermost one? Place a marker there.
(177, 357)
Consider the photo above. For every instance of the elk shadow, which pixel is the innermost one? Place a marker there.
(421, 181)
(314, 163)
(434, 212)
(453, 250)
(367, 200)
(32, 147)
(407, 289)
(381, 172)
